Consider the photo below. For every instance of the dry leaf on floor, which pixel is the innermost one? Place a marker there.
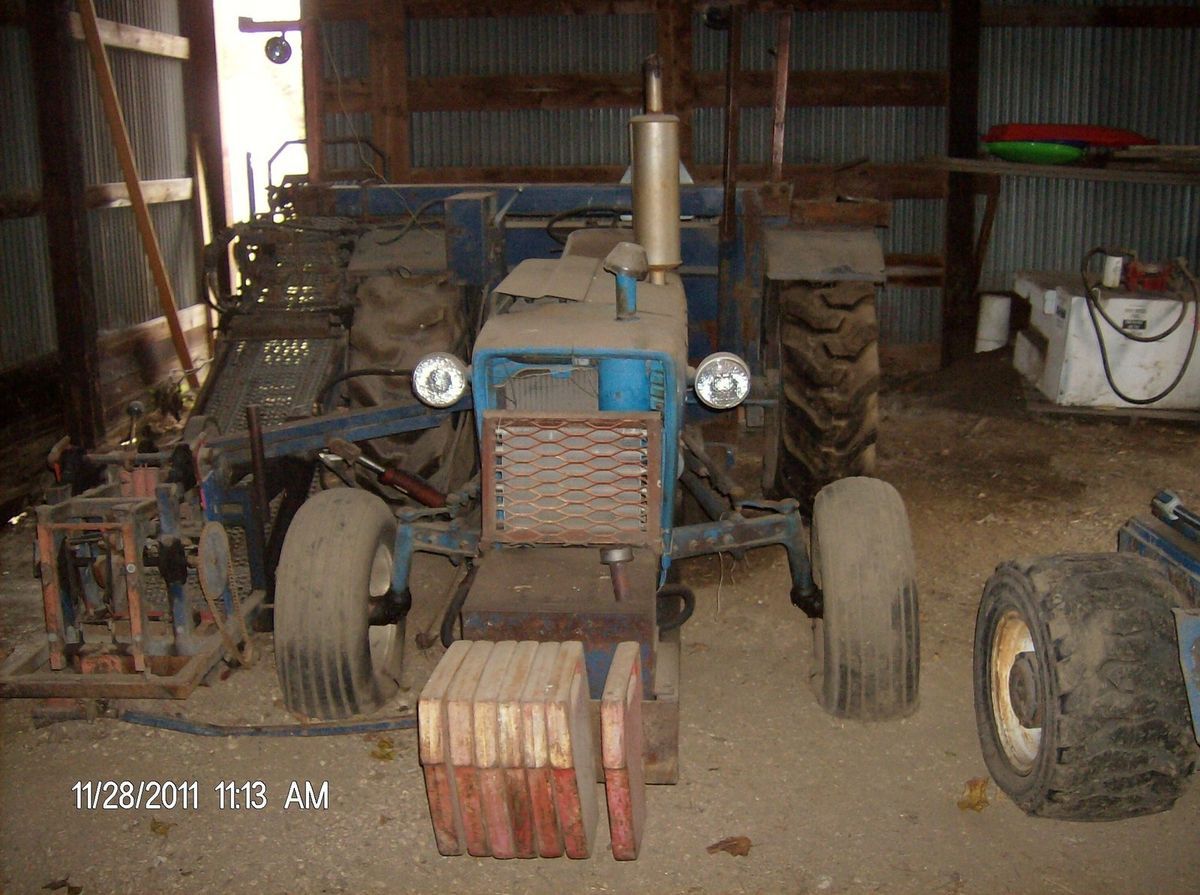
(160, 828)
(734, 845)
(974, 795)
(384, 750)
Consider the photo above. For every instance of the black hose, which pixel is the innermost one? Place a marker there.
(683, 593)
(339, 378)
(581, 212)
(454, 609)
(1090, 289)
(411, 222)
(319, 729)
(1096, 312)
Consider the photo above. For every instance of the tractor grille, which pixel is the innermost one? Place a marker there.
(578, 479)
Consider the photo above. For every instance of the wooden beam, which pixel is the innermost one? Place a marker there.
(845, 5)
(141, 212)
(203, 106)
(425, 9)
(1111, 174)
(959, 307)
(1031, 16)
(21, 204)
(155, 192)
(314, 81)
(624, 90)
(389, 78)
(130, 37)
(783, 55)
(455, 9)
(202, 97)
(673, 43)
(505, 92)
(914, 270)
(830, 88)
(75, 317)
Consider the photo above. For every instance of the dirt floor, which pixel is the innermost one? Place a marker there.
(829, 806)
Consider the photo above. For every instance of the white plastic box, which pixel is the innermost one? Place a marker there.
(1059, 353)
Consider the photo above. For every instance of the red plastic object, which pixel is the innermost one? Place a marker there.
(1143, 277)
(1093, 135)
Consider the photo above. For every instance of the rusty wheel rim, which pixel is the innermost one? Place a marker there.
(1021, 744)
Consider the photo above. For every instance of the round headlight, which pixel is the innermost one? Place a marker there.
(722, 380)
(439, 379)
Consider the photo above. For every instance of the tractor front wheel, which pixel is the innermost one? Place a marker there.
(339, 630)
(866, 643)
(1079, 698)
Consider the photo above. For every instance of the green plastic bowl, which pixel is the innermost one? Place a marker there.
(1035, 152)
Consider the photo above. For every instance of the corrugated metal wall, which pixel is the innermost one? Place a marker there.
(151, 91)
(1145, 79)
(26, 308)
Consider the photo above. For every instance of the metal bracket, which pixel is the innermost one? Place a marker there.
(736, 532)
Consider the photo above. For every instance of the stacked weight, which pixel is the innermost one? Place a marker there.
(508, 751)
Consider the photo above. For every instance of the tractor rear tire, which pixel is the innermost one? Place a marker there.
(336, 557)
(829, 386)
(1079, 698)
(866, 644)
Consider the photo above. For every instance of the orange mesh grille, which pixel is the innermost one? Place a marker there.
(552, 478)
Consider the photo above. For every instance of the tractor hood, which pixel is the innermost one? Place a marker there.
(569, 305)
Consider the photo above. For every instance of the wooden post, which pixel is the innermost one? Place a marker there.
(141, 212)
(314, 83)
(389, 75)
(783, 50)
(674, 48)
(204, 122)
(63, 202)
(728, 326)
(959, 309)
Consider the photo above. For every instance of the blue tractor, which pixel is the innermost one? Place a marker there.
(582, 394)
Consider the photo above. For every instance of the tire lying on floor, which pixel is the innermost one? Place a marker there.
(1079, 698)
(866, 643)
(339, 630)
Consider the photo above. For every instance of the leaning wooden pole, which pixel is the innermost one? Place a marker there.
(783, 55)
(141, 212)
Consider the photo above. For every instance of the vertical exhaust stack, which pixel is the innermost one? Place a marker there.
(654, 144)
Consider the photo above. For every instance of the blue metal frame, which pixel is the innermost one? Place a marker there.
(1179, 558)
(481, 244)
(1187, 623)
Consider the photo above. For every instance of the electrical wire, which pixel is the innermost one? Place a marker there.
(339, 378)
(1092, 289)
(585, 211)
(1092, 295)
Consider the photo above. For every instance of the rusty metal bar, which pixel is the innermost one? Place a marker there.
(133, 591)
(258, 466)
(51, 596)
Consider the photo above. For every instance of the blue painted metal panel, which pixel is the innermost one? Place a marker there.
(1187, 623)
(1178, 557)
